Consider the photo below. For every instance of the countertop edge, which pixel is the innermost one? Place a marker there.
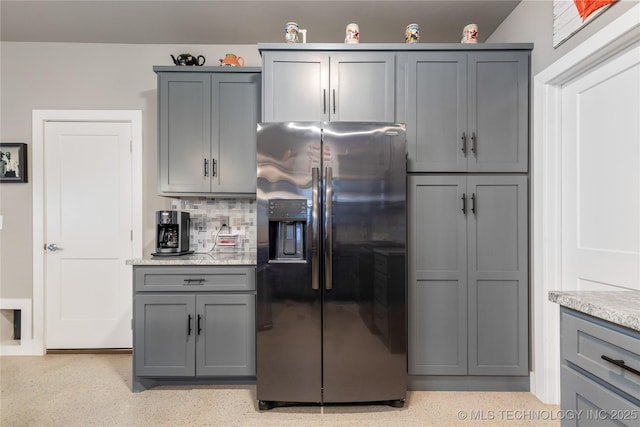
(605, 305)
(197, 260)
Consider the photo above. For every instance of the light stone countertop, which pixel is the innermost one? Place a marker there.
(215, 258)
(619, 307)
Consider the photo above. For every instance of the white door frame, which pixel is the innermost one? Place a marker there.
(546, 195)
(39, 118)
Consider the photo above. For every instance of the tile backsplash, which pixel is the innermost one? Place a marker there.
(207, 220)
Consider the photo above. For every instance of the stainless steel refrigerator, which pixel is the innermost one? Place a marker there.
(331, 287)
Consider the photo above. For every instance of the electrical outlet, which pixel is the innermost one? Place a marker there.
(224, 219)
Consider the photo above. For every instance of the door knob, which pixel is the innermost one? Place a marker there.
(52, 247)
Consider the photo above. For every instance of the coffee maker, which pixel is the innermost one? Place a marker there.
(172, 233)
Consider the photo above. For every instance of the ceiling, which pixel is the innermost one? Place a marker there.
(242, 21)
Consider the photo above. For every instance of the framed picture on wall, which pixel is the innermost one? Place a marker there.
(13, 162)
(569, 16)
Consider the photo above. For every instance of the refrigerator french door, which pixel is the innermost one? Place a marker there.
(331, 219)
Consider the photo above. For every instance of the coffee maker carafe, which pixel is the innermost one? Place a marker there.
(172, 233)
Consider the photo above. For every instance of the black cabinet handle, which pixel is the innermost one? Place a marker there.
(334, 101)
(214, 169)
(206, 167)
(188, 324)
(199, 324)
(324, 101)
(464, 143)
(464, 203)
(473, 203)
(620, 363)
(474, 143)
(196, 281)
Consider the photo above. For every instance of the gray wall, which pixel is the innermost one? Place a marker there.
(112, 76)
(532, 22)
(78, 76)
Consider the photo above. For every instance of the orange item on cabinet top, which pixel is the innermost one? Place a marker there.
(230, 60)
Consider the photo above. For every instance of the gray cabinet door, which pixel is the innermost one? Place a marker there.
(436, 112)
(326, 86)
(468, 275)
(164, 335)
(225, 325)
(467, 111)
(296, 86)
(362, 86)
(184, 108)
(437, 285)
(498, 117)
(235, 114)
(497, 226)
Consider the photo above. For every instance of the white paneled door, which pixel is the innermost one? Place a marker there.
(601, 176)
(88, 234)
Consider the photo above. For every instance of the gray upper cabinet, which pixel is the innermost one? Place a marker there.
(467, 111)
(468, 269)
(328, 86)
(184, 118)
(207, 131)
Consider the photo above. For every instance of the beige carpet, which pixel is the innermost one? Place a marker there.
(90, 390)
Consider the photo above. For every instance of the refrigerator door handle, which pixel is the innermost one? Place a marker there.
(315, 226)
(328, 253)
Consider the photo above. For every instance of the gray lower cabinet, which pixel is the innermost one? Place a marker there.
(468, 275)
(193, 323)
(328, 86)
(467, 111)
(207, 130)
(596, 388)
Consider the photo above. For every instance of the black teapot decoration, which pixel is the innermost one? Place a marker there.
(188, 59)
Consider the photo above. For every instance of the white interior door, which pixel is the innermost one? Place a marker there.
(601, 177)
(88, 217)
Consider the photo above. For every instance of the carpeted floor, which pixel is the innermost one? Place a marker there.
(90, 389)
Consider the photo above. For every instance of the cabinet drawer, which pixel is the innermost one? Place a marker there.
(585, 402)
(585, 340)
(170, 278)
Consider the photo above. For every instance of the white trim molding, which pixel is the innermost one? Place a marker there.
(25, 346)
(39, 118)
(619, 35)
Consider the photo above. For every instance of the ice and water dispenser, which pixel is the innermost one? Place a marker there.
(287, 229)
